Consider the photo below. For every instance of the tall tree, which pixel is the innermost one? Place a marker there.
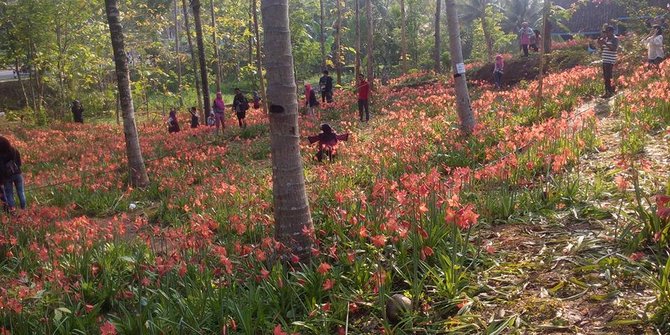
(177, 52)
(259, 63)
(437, 52)
(194, 62)
(476, 10)
(403, 37)
(338, 43)
(138, 172)
(195, 6)
(215, 44)
(322, 38)
(358, 39)
(293, 221)
(540, 82)
(465, 114)
(370, 48)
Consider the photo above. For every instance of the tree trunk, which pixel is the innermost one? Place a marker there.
(187, 24)
(177, 51)
(370, 48)
(403, 37)
(18, 76)
(137, 170)
(61, 70)
(259, 63)
(437, 62)
(250, 41)
(539, 103)
(460, 85)
(338, 43)
(322, 40)
(293, 221)
(195, 6)
(546, 31)
(488, 40)
(216, 47)
(357, 64)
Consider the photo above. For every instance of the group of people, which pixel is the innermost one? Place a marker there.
(217, 117)
(529, 39)
(326, 86)
(10, 176)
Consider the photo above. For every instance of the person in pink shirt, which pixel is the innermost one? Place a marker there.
(219, 109)
(498, 69)
(525, 35)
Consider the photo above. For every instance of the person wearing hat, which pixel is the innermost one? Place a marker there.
(327, 140)
(654, 42)
(77, 112)
(609, 45)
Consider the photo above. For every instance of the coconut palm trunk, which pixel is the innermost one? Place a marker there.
(259, 63)
(215, 44)
(460, 85)
(358, 39)
(293, 221)
(370, 48)
(322, 40)
(403, 37)
(437, 63)
(338, 43)
(187, 25)
(195, 6)
(177, 52)
(137, 170)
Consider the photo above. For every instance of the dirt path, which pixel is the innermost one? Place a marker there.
(562, 273)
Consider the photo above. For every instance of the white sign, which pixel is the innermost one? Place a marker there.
(460, 68)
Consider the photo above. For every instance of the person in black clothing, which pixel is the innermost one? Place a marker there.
(326, 86)
(240, 106)
(172, 122)
(10, 173)
(194, 117)
(77, 112)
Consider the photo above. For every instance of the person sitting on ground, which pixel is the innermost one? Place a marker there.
(211, 120)
(172, 122)
(195, 119)
(10, 173)
(654, 42)
(77, 112)
(327, 140)
(240, 106)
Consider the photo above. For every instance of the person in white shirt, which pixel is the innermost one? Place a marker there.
(654, 42)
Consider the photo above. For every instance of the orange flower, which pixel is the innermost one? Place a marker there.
(324, 268)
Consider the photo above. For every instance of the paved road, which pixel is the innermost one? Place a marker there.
(6, 75)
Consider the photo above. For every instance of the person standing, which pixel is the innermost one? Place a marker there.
(326, 86)
(10, 173)
(77, 112)
(654, 42)
(525, 35)
(195, 119)
(363, 98)
(609, 46)
(310, 100)
(172, 122)
(240, 106)
(498, 69)
(219, 109)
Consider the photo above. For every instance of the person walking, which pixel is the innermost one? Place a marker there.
(326, 86)
(77, 112)
(310, 100)
(525, 35)
(609, 46)
(240, 106)
(654, 43)
(498, 69)
(219, 109)
(10, 173)
(195, 119)
(363, 88)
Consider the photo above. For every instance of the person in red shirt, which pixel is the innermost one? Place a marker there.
(363, 98)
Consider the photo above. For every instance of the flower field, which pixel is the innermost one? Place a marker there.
(409, 206)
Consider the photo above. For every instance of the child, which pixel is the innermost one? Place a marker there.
(194, 117)
(327, 140)
(240, 106)
(310, 100)
(211, 120)
(173, 124)
(498, 70)
(257, 100)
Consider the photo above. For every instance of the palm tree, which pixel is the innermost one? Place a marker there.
(465, 114)
(138, 172)
(195, 6)
(293, 221)
(370, 47)
(187, 24)
(519, 11)
(472, 10)
(437, 64)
